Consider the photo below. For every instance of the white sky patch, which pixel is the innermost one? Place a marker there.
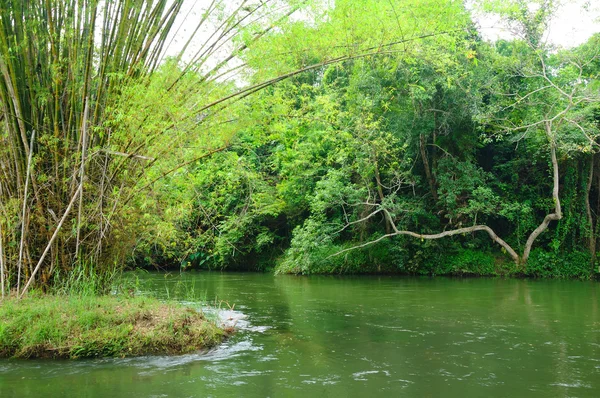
(574, 23)
(191, 14)
(212, 43)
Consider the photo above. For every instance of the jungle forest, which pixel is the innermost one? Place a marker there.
(295, 136)
(299, 198)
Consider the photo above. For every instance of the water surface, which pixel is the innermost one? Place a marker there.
(355, 337)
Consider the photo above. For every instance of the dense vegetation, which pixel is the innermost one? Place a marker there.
(333, 170)
(362, 137)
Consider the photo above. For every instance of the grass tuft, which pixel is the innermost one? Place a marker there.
(56, 326)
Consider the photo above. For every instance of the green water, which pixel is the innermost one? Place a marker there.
(355, 337)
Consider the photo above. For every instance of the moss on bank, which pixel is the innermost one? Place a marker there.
(45, 326)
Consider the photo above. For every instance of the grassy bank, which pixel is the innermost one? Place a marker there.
(46, 326)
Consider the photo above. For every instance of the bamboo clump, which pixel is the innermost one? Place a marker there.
(64, 71)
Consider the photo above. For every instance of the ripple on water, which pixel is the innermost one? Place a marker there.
(152, 365)
(361, 376)
(236, 319)
(323, 380)
(575, 384)
(229, 349)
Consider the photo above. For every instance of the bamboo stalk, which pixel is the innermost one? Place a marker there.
(2, 260)
(84, 139)
(23, 214)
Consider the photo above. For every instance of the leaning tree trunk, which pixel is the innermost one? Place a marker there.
(588, 210)
(557, 214)
(519, 260)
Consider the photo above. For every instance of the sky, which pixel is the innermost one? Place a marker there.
(575, 21)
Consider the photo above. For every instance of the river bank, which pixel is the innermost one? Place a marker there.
(576, 265)
(56, 326)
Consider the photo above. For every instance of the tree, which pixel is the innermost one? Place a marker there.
(533, 92)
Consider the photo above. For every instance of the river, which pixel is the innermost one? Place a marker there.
(354, 337)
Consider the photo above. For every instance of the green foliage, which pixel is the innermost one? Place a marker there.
(88, 87)
(471, 262)
(575, 264)
(416, 125)
(328, 152)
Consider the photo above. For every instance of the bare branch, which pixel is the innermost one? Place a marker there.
(54, 235)
(361, 220)
(460, 231)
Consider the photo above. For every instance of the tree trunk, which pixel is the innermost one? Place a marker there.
(557, 215)
(428, 172)
(24, 217)
(84, 139)
(588, 210)
(388, 220)
(460, 231)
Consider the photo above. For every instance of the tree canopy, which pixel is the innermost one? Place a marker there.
(301, 135)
